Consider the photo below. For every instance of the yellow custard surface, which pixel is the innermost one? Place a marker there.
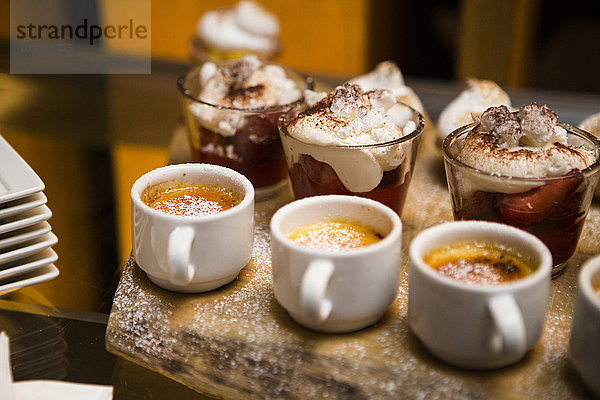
(335, 235)
(480, 262)
(190, 200)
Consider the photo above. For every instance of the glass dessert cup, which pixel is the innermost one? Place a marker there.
(252, 147)
(311, 177)
(200, 53)
(553, 209)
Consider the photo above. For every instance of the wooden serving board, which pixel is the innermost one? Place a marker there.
(237, 342)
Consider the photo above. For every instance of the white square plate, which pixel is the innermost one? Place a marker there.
(28, 248)
(24, 219)
(22, 235)
(39, 275)
(23, 204)
(44, 257)
(17, 179)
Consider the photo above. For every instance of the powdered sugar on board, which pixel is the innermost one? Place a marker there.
(237, 342)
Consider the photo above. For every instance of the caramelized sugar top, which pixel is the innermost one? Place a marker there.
(480, 262)
(194, 200)
(597, 290)
(335, 235)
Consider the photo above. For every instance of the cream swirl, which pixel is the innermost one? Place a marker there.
(246, 26)
(592, 125)
(473, 100)
(247, 84)
(387, 75)
(349, 116)
(525, 144)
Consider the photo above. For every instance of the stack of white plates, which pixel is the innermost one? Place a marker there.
(26, 256)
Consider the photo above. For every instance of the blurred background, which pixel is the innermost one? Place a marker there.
(90, 136)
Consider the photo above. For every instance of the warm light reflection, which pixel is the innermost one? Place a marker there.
(14, 94)
(130, 161)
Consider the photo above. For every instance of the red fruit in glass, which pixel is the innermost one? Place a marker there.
(536, 205)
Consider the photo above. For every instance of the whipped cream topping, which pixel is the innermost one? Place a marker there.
(591, 124)
(387, 75)
(526, 144)
(473, 100)
(246, 26)
(247, 84)
(350, 116)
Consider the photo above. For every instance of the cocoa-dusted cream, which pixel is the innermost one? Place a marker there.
(525, 144)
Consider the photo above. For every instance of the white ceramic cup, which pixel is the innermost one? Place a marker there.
(584, 342)
(336, 291)
(192, 254)
(477, 326)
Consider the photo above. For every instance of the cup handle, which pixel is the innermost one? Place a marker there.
(179, 250)
(314, 288)
(510, 339)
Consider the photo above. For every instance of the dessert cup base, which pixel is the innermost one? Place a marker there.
(337, 327)
(473, 363)
(267, 192)
(557, 270)
(193, 287)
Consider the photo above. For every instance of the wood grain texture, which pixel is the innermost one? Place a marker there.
(237, 342)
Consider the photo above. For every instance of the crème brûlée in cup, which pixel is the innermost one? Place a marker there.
(231, 111)
(352, 142)
(524, 169)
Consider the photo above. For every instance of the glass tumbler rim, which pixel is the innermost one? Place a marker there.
(281, 124)
(463, 130)
(198, 47)
(185, 91)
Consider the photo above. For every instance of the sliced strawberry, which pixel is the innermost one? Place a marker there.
(536, 205)
(392, 189)
(571, 210)
(311, 177)
(301, 184)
